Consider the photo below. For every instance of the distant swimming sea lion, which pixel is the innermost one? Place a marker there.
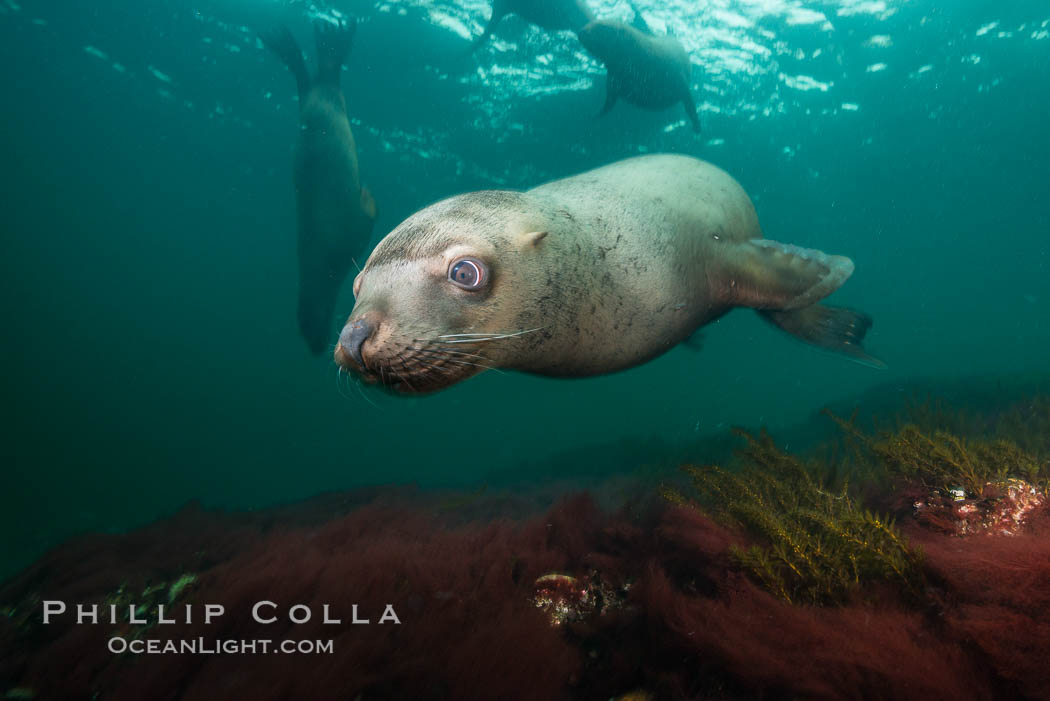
(552, 15)
(335, 214)
(582, 276)
(646, 70)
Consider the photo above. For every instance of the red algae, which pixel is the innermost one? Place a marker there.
(686, 622)
(994, 596)
(765, 646)
(466, 628)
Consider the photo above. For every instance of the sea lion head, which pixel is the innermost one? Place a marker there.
(607, 39)
(447, 294)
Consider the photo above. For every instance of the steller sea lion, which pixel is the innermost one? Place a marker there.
(552, 15)
(583, 276)
(335, 214)
(646, 70)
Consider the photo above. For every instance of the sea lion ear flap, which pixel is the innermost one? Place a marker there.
(532, 238)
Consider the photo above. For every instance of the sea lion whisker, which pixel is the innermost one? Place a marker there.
(414, 354)
(444, 356)
(429, 368)
(445, 371)
(415, 363)
(477, 365)
(361, 391)
(426, 358)
(487, 336)
(485, 340)
(448, 351)
(345, 380)
(408, 371)
(342, 379)
(339, 382)
(435, 346)
(436, 368)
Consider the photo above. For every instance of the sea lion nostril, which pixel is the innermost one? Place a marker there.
(353, 337)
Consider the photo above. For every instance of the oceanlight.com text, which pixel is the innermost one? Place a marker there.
(201, 646)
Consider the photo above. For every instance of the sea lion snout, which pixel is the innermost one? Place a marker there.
(351, 339)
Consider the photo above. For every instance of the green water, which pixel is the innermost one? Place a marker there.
(150, 347)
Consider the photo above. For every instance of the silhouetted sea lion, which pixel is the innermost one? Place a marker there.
(582, 276)
(552, 15)
(335, 214)
(646, 70)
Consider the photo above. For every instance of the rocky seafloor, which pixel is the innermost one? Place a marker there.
(903, 558)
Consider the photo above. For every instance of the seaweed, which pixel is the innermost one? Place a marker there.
(942, 460)
(668, 615)
(817, 546)
(1024, 421)
(939, 459)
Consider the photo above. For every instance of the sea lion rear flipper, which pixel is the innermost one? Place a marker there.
(282, 43)
(333, 45)
(834, 328)
(638, 22)
(489, 28)
(499, 11)
(767, 274)
(368, 203)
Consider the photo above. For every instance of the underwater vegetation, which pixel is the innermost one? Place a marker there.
(818, 546)
(939, 459)
(956, 483)
(775, 578)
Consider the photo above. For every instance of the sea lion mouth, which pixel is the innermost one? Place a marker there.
(416, 368)
(423, 365)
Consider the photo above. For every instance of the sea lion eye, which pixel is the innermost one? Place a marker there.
(468, 273)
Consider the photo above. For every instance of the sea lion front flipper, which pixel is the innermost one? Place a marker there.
(690, 109)
(282, 43)
(334, 42)
(368, 203)
(834, 328)
(695, 342)
(318, 290)
(612, 94)
(768, 274)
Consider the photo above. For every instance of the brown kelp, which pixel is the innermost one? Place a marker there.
(816, 545)
(956, 483)
(941, 460)
(923, 452)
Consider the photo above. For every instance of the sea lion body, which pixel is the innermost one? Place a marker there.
(652, 72)
(644, 225)
(582, 276)
(552, 15)
(335, 215)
